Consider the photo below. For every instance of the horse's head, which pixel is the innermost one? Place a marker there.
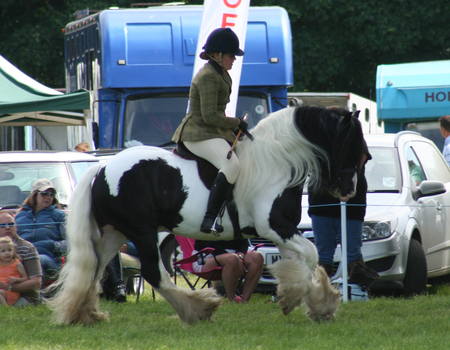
(338, 134)
(347, 157)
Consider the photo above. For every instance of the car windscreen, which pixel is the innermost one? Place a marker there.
(16, 181)
(383, 170)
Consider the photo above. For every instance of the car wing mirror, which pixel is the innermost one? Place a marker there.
(430, 188)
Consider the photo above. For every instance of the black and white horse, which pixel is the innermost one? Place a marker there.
(144, 190)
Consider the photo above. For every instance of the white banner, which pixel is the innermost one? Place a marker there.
(222, 14)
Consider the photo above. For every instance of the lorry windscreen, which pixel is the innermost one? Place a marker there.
(152, 119)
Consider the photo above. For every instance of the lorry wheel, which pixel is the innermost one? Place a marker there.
(168, 254)
(415, 281)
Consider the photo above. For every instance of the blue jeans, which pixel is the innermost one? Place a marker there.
(47, 263)
(327, 234)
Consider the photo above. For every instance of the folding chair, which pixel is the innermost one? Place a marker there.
(185, 264)
(137, 274)
(187, 246)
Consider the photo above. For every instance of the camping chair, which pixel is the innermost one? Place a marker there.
(130, 280)
(185, 264)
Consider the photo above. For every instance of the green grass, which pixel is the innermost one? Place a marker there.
(421, 322)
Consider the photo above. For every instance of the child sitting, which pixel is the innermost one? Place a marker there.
(11, 271)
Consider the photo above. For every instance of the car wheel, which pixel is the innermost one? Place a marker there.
(415, 281)
(167, 255)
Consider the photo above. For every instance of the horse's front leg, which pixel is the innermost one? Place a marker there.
(319, 295)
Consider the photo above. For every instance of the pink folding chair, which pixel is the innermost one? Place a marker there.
(185, 264)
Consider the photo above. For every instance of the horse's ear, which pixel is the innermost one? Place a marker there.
(348, 116)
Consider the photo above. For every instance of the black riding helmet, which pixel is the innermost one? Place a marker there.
(222, 40)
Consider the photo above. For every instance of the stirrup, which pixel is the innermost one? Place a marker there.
(216, 229)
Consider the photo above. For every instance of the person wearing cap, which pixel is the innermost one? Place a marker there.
(206, 131)
(42, 222)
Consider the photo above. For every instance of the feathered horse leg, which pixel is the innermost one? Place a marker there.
(297, 283)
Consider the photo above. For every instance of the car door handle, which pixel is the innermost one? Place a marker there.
(438, 206)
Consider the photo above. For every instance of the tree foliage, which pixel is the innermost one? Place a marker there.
(337, 44)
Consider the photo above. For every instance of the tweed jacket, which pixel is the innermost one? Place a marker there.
(209, 94)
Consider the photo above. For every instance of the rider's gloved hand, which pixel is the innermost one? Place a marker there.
(243, 125)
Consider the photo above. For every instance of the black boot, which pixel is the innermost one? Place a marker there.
(328, 268)
(219, 192)
(359, 273)
(113, 286)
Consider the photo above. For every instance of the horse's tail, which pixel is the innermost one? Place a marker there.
(76, 299)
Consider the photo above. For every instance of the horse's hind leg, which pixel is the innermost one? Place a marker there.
(190, 305)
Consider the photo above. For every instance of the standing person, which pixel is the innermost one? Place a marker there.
(11, 271)
(444, 124)
(42, 222)
(236, 263)
(29, 289)
(326, 225)
(206, 131)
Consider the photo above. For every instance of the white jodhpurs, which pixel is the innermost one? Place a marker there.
(215, 151)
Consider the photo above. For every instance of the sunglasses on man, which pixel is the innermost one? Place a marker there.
(9, 224)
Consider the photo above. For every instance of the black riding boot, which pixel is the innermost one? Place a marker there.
(113, 286)
(219, 192)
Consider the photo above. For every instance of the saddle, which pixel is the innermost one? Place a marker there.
(207, 173)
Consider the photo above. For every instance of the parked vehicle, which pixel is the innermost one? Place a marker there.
(406, 234)
(138, 65)
(20, 169)
(413, 96)
(351, 101)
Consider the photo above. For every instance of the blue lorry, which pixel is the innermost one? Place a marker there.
(138, 64)
(412, 96)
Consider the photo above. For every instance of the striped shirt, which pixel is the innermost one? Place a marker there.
(31, 263)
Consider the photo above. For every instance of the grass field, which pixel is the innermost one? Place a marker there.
(421, 322)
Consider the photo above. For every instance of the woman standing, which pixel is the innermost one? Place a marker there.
(42, 222)
(206, 131)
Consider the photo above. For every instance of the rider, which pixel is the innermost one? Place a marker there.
(206, 131)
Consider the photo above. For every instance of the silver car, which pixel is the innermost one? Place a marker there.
(20, 169)
(406, 234)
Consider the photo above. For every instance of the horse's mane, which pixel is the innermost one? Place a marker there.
(279, 152)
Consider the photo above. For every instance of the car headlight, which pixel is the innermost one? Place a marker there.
(376, 230)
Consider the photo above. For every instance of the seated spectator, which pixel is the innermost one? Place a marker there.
(28, 289)
(11, 270)
(130, 259)
(83, 147)
(416, 173)
(42, 222)
(112, 282)
(236, 263)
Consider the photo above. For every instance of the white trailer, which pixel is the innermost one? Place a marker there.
(368, 108)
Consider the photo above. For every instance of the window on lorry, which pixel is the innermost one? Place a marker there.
(430, 130)
(152, 120)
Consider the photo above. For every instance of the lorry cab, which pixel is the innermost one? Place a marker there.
(138, 65)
